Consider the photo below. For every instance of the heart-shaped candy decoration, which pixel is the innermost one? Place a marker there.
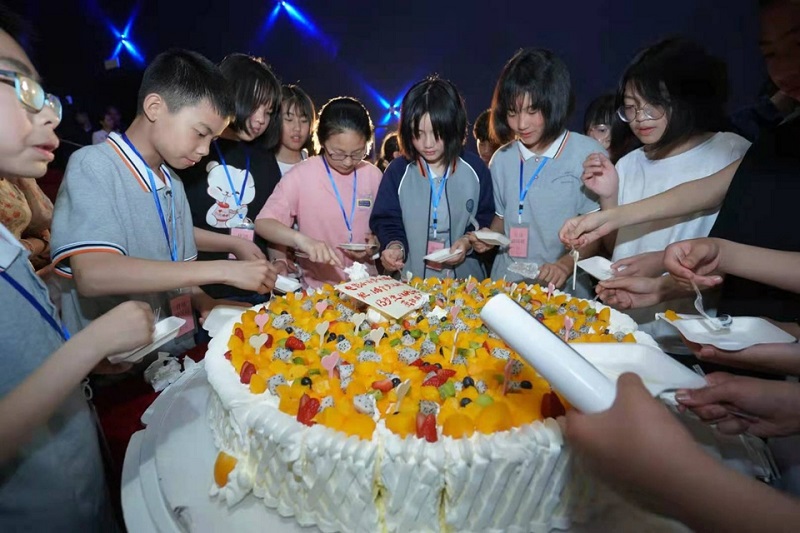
(409, 276)
(568, 323)
(321, 306)
(257, 341)
(329, 362)
(358, 319)
(454, 312)
(507, 374)
(550, 290)
(376, 335)
(402, 390)
(471, 286)
(261, 320)
(322, 328)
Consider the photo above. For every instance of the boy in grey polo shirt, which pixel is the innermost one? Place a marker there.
(122, 227)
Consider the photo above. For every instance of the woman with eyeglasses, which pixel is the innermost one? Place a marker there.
(673, 98)
(329, 197)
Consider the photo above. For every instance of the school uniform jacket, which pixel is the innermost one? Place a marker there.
(402, 210)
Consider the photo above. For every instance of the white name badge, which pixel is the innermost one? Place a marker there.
(245, 230)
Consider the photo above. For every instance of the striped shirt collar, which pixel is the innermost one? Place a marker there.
(553, 151)
(135, 164)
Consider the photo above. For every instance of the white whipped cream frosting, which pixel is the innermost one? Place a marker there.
(514, 481)
(357, 271)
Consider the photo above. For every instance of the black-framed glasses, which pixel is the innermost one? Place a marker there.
(354, 157)
(628, 113)
(30, 93)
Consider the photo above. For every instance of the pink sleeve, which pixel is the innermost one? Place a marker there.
(282, 203)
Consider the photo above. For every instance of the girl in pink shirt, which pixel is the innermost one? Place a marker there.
(330, 197)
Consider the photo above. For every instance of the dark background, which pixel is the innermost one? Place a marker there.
(374, 50)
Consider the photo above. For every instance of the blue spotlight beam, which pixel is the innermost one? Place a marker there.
(303, 22)
(124, 39)
(270, 22)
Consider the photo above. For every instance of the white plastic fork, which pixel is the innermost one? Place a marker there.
(716, 323)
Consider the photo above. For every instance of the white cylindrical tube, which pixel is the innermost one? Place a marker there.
(580, 382)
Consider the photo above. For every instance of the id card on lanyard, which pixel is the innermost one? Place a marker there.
(435, 243)
(347, 221)
(180, 302)
(519, 232)
(245, 229)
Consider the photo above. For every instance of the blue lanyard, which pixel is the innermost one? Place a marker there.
(523, 193)
(60, 329)
(347, 221)
(173, 247)
(436, 196)
(230, 181)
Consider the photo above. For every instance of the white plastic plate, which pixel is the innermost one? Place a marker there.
(165, 331)
(657, 370)
(745, 331)
(219, 316)
(597, 267)
(287, 284)
(492, 237)
(526, 270)
(441, 255)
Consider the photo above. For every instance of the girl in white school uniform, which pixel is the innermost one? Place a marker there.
(673, 97)
(537, 172)
(297, 121)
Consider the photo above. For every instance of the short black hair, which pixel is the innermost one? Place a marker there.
(185, 78)
(601, 110)
(541, 75)
(390, 145)
(481, 128)
(252, 84)
(341, 114)
(440, 99)
(683, 78)
(294, 96)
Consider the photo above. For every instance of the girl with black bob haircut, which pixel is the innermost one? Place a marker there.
(689, 85)
(542, 77)
(672, 96)
(537, 173)
(436, 192)
(297, 122)
(329, 197)
(390, 149)
(440, 101)
(254, 88)
(227, 188)
(602, 123)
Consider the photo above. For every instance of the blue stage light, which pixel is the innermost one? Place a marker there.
(124, 40)
(303, 22)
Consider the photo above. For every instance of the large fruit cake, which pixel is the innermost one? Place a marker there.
(429, 423)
